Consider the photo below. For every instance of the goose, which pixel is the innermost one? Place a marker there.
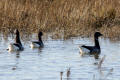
(91, 49)
(17, 46)
(39, 43)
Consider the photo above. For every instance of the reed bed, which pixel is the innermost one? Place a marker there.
(65, 18)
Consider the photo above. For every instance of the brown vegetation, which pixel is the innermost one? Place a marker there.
(67, 17)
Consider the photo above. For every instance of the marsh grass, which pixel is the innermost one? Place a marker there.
(104, 74)
(72, 17)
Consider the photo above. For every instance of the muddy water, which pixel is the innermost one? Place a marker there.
(58, 56)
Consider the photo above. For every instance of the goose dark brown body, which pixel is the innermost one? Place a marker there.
(17, 46)
(39, 43)
(95, 48)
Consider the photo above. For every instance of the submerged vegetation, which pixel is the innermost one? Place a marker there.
(61, 17)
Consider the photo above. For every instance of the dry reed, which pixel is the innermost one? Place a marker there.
(101, 61)
(68, 74)
(110, 71)
(72, 17)
(61, 74)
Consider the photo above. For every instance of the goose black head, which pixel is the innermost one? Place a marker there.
(97, 34)
(40, 33)
(16, 32)
(17, 38)
(40, 36)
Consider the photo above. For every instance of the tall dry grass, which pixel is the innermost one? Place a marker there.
(62, 17)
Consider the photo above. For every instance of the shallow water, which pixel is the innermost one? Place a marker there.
(58, 56)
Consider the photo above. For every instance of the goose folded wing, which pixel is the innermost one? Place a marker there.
(16, 44)
(36, 42)
(39, 43)
(19, 46)
(88, 47)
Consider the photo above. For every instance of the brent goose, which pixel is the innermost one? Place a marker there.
(91, 49)
(17, 46)
(39, 43)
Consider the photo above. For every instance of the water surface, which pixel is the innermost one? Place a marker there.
(58, 56)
